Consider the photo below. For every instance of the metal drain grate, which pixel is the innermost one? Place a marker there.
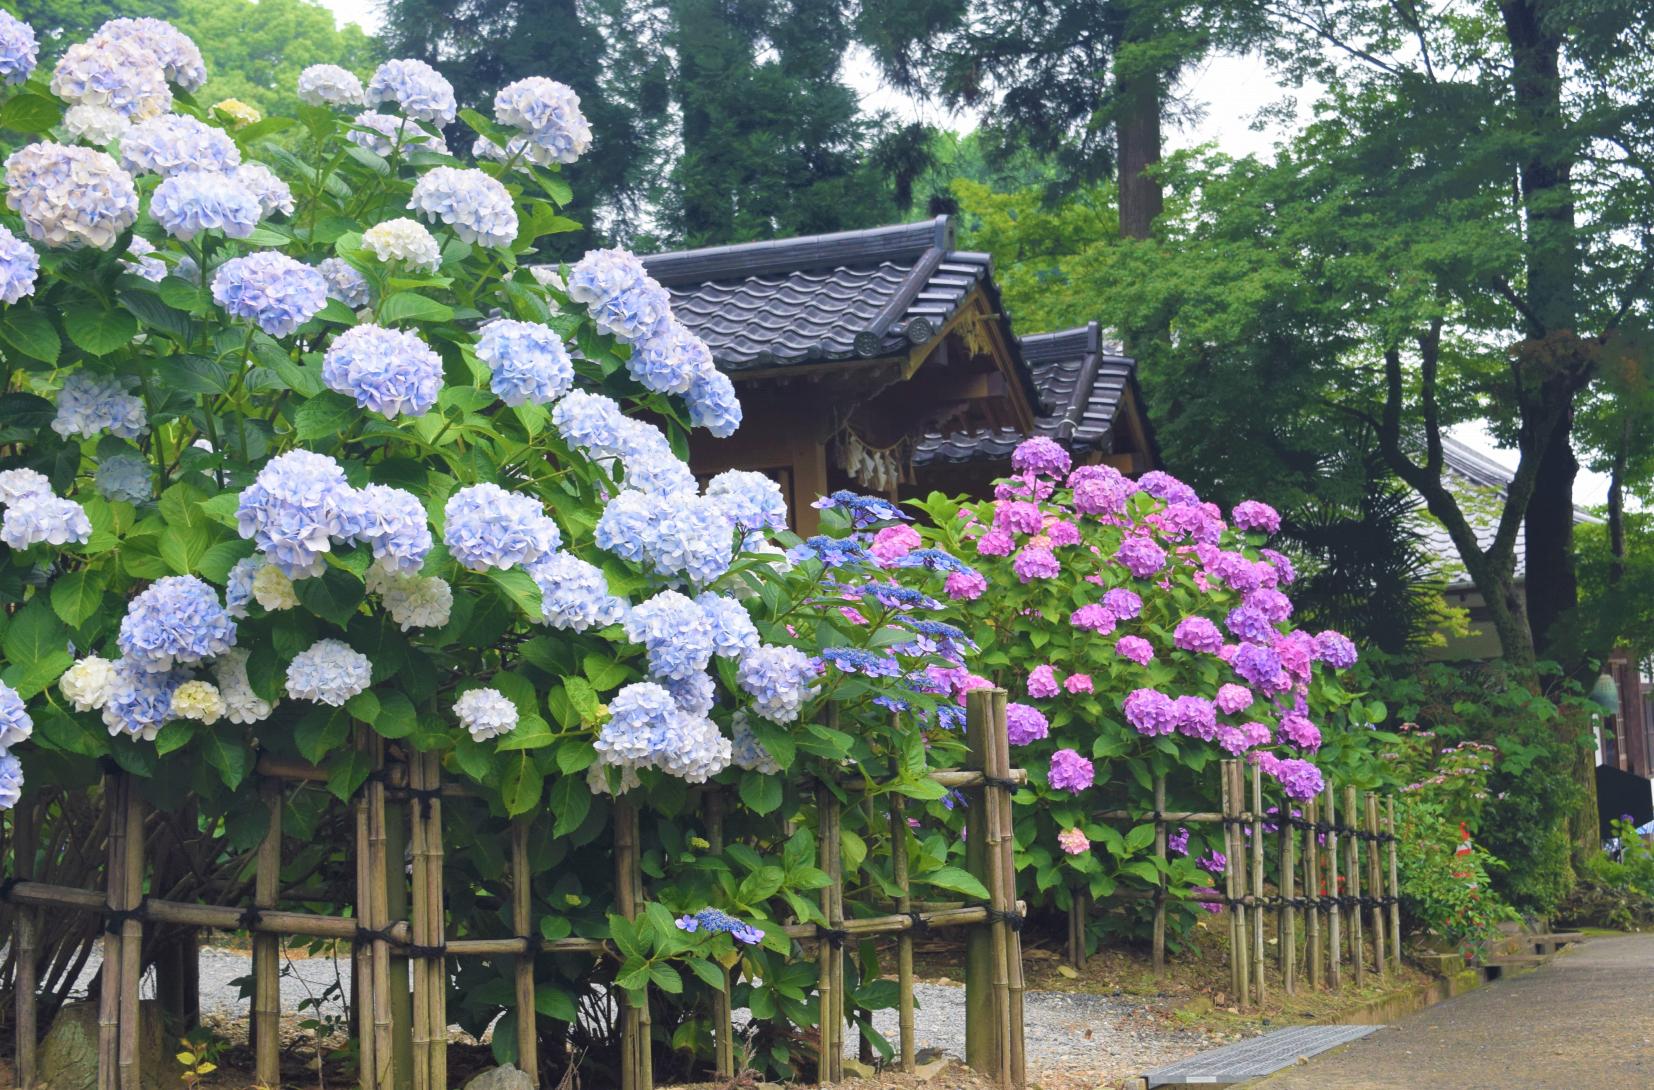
(1256, 1057)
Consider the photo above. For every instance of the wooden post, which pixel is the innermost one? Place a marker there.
(522, 922)
(429, 1036)
(132, 943)
(362, 983)
(1159, 947)
(636, 1055)
(904, 939)
(1312, 890)
(1006, 871)
(723, 1023)
(25, 988)
(1288, 915)
(1375, 881)
(397, 907)
(1352, 867)
(983, 1001)
(266, 1010)
(1235, 882)
(383, 1024)
(830, 949)
(109, 976)
(1395, 883)
(1257, 883)
(1335, 917)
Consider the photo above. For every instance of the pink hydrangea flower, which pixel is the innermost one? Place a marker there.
(894, 542)
(1062, 532)
(1093, 618)
(1070, 772)
(1042, 682)
(1297, 652)
(1256, 734)
(1140, 556)
(1019, 517)
(851, 614)
(1298, 730)
(1253, 515)
(1074, 841)
(966, 585)
(1150, 712)
(1196, 717)
(1234, 698)
(995, 542)
(1078, 683)
(1232, 740)
(1197, 633)
(1135, 648)
(1035, 563)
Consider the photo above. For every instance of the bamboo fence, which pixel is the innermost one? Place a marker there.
(1287, 864)
(397, 923)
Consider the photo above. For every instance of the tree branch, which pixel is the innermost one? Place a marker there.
(1502, 286)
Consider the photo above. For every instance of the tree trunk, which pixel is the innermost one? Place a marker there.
(1137, 139)
(706, 48)
(1552, 584)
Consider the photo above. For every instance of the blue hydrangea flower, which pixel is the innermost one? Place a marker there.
(474, 204)
(177, 621)
(238, 585)
(695, 695)
(88, 406)
(393, 522)
(670, 361)
(70, 196)
(626, 525)
(193, 201)
(527, 362)
(330, 672)
(778, 679)
(589, 422)
(140, 701)
(293, 509)
(833, 552)
(271, 290)
(639, 714)
(17, 483)
(124, 478)
(750, 500)
(19, 265)
(417, 88)
(150, 268)
(274, 195)
(746, 751)
(486, 713)
(549, 112)
(388, 371)
(384, 133)
(11, 781)
(330, 85)
(488, 527)
(19, 49)
(854, 660)
(345, 283)
(120, 75)
(574, 594)
(602, 274)
(179, 57)
(31, 520)
(649, 461)
(622, 298)
(935, 560)
(15, 724)
(172, 143)
(713, 404)
(675, 633)
(733, 633)
(864, 511)
(689, 536)
(710, 919)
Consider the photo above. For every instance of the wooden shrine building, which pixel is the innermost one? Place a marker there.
(883, 361)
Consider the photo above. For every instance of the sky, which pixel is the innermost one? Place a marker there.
(1227, 92)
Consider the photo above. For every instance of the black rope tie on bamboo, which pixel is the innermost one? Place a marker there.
(114, 918)
(366, 935)
(250, 918)
(921, 926)
(1004, 782)
(531, 943)
(1011, 919)
(413, 950)
(833, 936)
(424, 795)
(6, 887)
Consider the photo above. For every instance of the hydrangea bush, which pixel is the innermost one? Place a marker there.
(317, 437)
(1141, 633)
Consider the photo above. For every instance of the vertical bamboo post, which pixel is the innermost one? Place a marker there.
(1007, 872)
(636, 1059)
(982, 1006)
(1312, 891)
(1375, 882)
(395, 879)
(1258, 958)
(437, 981)
(1335, 914)
(266, 1012)
(904, 940)
(25, 987)
(1289, 912)
(723, 1024)
(1235, 882)
(829, 953)
(1159, 948)
(522, 922)
(109, 976)
(362, 959)
(419, 962)
(132, 941)
(383, 1023)
(1395, 882)
(1352, 867)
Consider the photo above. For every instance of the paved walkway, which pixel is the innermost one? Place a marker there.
(1584, 1021)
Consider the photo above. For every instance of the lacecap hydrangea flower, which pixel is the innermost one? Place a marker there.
(388, 371)
(70, 196)
(193, 201)
(486, 713)
(19, 49)
(19, 265)
(779, 680)
(345, 283)
(716, 922)
(274, 195)
(385, 134)
(44, 518)
(393, 522)
(413, 601)
(118, 74)
(329, 672)
(179, 57)
(474, 204)
(487, 527)
(293, 509)
(405, 241)
(555, 131)
(171, 143)
(176, 621)
(527, 362)
(418, 90)
(330, 85)
(271, 290)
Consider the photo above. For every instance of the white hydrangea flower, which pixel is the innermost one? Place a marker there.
(96, 125)
(330, 85)
(412, 600)
(86, 684)
(199, 700)
(403, 240)
(241, 704)
(486, 713)
(17, 483)
(273, 590)
(329, 672)
(597, 778)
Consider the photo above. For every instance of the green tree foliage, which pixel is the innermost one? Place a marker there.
(62, 22)
(256, 50)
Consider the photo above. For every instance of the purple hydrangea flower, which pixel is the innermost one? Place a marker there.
(1140, 556)
(1018, 517)
(1213, 861)
(1259, 665)
(1124, 604)
(1093, 618)
(1248, 622)
(1233, 698)
(1178, 842)
(1024, 724)
(1253, 515)
(1196, 717)
(1163, 486)
(1298, 730)
(1100, 490)
(1198, 634)
(1150, 711)
(1070, 772)
(1041, 456)
(1042, 682)
(966, 585)
(1135, 648)
(1335, 649)
(1035, 562)
(1298, 779)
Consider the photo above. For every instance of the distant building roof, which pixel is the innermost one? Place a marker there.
(1081, 379)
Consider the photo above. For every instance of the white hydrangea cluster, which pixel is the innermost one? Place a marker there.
(476, 206)
(198, 700)
(272, 589)
(330, 85)
(87, 684)
(549, 112)
(412, 600)
(403, 240)
(98, 125)
(486, 713)
(329, 672)
(241, 704)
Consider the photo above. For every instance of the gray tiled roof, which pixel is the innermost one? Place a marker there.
(852, 294)
(1080, 378)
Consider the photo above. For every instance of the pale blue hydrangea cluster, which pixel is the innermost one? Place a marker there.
(750, 500)
(713, 404)
(118, 74)
(273, 194)
(19, 266)
(329, 672)
(150, 268)
(176, 621)
(330, 85)
(89, 405)
(345, 283)
(694, 695)
(139, 702)
(270, 289)
(674, 632)
(623, 299)
(747, 751)
(527, 362)
(487, 527)
(171, 143)
(179, 57)
(293, 510)
(474, 204)
(15, 724)
(418, 90)
(393, 522)
(70, 196)
(778, 679)
(649, 462)
(671, 361)
(193, 201)
(11, 781)
(486, 713)
(388, 371)
(386, 133)
(589, 422)
(124, 478)
(675, 534)
(574, 594)
(646, 729)
(39, 518)
(734, 635)
(549, 114)
(238, 585)
(19, 49)
(17, 483)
